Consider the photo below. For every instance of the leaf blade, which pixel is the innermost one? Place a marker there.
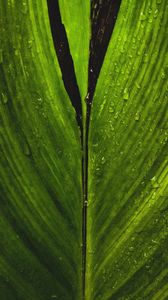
(40, 163)
(128, 144)
(76, 18)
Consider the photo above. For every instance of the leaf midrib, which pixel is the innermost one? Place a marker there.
(111, 9)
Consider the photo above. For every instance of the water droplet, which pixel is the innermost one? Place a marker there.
(1, 56)
(142, 17)
(24, 8)
(44, 115)
(16, 52)
(137, 116)
(87, 98)
(103, 160)
(147, 267)
(111, 109)
(153, 196)
(145, 57)
(85, 203)
(111, 125)
(116, 116)
(4, 98)
(154, 183)
(39, 100)
(95, 145)
(163, 75)
(30, 43)
(91, 252)
(126, 94)
(156, 13)
(155, 242)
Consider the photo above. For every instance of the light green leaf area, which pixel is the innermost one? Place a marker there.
(40, 163)
(76, 18)
(127, 246)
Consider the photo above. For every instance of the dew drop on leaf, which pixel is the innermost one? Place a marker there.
(153, 195)
(111, 109)
(25, 8)
(137, 116)
(142, 17)
(122, 50)
(154, 183)
(103, 161)
(116, 116)
(87, 98)
(156, 13)
(126, 94)
(40, 100)
(163, 76)
(149, 11)
(85, 203)
(30, 43)
(4, 98)
(95, 145)
(16, 52)
(145, 58)
(131, 248)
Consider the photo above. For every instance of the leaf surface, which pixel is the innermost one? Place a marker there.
(76, 18)
(40, 157)
(128, 172)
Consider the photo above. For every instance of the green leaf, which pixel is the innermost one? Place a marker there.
(76, 18)
(40, 156)
(128, 172)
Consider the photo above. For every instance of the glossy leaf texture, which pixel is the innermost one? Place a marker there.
(76, 19)
(40, 163)
(127, 220)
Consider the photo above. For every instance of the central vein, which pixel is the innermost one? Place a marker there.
(103, 18)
